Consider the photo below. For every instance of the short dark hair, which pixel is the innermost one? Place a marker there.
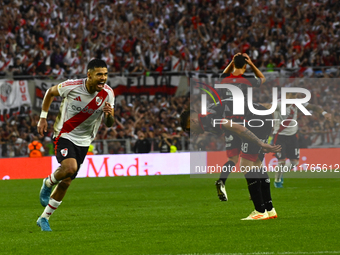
(95, 63)
(239, 61)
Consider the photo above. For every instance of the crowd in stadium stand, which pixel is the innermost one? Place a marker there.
(58, 38)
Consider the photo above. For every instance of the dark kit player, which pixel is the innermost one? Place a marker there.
(258, 182)
(234, 74)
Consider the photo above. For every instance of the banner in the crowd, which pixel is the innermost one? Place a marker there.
(122, 85)
(148, 86)
(14, 98)
(41, 86)
(142, 85)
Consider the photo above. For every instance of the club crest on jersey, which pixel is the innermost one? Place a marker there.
(64, 152)
(99, 100)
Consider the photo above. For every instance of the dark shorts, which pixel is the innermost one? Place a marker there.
(64, 148)
(261, 127)
(232, 144)
(290, 146)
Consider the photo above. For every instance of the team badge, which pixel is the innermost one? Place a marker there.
(99, 100)
(64, 152)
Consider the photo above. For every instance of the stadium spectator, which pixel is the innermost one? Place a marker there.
(186, 33)
(165, 143)
(142, 145)
(17, 145)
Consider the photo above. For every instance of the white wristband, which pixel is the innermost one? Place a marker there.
(324, 113)
(43, 114)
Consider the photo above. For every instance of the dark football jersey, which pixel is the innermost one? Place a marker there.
(218, 111)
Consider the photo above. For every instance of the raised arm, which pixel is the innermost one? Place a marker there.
(230, 67)
(256, 71)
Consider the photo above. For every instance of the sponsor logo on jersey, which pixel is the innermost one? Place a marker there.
(229, 138)
(85, 110)
(64, 152)
(78, 98)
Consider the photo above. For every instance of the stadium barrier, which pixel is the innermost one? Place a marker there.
(149, 164)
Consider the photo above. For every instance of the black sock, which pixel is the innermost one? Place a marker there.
(265, 188)
(254, 187)
(226, 170)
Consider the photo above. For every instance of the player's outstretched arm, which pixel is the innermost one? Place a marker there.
(48, 99)
(247, 134)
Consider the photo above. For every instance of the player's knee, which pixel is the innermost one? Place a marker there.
(70, 169)
(294, 162)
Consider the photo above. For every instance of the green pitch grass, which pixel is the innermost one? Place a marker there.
(170, 215)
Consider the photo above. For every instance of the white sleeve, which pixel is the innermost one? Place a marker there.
(111, 97)
(278, 107)
(65, 87)
(112, 100)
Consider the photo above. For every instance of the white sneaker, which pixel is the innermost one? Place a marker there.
(255, 215)
(272, 214)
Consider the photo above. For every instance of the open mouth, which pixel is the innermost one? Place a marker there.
(100, 85)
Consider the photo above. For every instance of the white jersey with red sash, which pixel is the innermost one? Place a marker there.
(80, 112)
(289, 126)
